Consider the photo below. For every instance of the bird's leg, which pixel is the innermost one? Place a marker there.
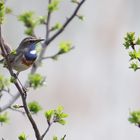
(23, 88)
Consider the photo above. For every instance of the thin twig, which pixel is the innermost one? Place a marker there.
(46, 131)
(48, 22)
(19, 111)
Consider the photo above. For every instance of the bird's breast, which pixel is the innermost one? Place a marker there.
(30, 55)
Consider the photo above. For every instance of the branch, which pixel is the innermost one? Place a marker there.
(18, 86)
(46, 131)
(19, 111)
(48, 22)
(66, 23)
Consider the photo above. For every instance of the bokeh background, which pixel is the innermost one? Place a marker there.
(92, 82)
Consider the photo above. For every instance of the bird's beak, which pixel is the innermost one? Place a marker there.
(39, 40)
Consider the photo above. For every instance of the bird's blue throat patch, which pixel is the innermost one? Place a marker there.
(31, 53)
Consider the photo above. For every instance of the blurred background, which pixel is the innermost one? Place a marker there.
(93, 81)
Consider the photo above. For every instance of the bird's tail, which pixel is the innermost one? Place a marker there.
(7, 48)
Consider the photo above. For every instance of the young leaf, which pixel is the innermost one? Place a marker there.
(135, 117)
(49, 114)
(65, 47)
(36, 80)
(53, 6)
(56, 26)
(134, 66)
(34, 107)
(22, 137)
(55, 138)
(2, 11)
(4, 83)
(8, 10)
(4, 118)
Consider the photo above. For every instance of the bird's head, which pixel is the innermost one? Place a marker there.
(29, 41)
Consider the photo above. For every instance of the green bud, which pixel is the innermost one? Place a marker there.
(16, 106)
(42, 19)
(29, 31)
(56, 26)
(8, 10)
(75, 1)
(34, 107)
(36, 80)
(13, 52)
(138, 41)
(55, 138)
(22, 137)
(65, 47)
(80, 17)
(49, 114)
(4, 82)
(13, 79)
(53, 6)
(2, 11)
(4, 118)
(135, 117)
(134, 66)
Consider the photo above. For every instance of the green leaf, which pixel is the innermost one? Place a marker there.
(53, 6)
(126, 45)
(132, 54)
(8, 10)
(65, 47)
(81, 17)
(129, 39)
(55, 138)
(49, 114)
(29, 31)
(60, 109)
(56, 26)
(13, 79)
(42, 19)
(16, 106)
(36, 80)
(59, 115)
(135, 117)
(62, 122)
(63, 115)
(28, 19)
(134, 66)
(2, 11)
(4, 82)
(75, 1)
(22, 137)
(138, 41)
(4, 118)
(34, 107)
(13, 52)
(63, 137)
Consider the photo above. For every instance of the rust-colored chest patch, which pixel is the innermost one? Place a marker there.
(27, 62)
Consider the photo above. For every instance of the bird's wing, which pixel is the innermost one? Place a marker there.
(15, 57)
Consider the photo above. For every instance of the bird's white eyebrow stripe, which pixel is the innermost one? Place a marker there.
(33, 52)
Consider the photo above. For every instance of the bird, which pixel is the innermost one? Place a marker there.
(25, 54)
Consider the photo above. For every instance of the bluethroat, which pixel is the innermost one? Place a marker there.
(25, 55)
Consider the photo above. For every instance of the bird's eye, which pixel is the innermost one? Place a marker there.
(31, 41)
